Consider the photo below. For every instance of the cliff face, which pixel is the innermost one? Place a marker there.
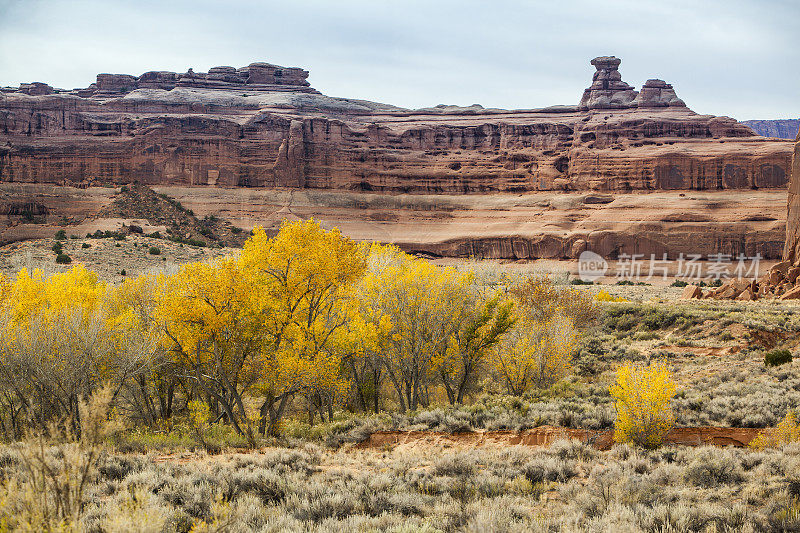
(262, 126)
(782, 129)
(257, 144)
(791, 251)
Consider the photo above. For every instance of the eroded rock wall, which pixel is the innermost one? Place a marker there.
(791, 251)
(262, 126)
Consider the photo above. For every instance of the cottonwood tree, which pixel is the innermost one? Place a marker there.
(214, 333)
(477, 326)
(535, 354)
(62, 338)
(432, 325)
(303, 281)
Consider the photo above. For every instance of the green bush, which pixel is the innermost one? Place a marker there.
(678, 283)
(63, 259)
(57, 247)
(61, 235)
(777, 357)
(86, 245)
(155, 250)
(578, 281)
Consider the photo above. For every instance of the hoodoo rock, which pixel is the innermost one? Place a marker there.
(658, 93)
(263, 126)
(608, 91)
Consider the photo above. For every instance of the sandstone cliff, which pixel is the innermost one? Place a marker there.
(791, 251)
(233, 136)
(255, 128)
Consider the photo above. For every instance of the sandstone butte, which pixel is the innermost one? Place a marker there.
(624, 171)
(782, 280)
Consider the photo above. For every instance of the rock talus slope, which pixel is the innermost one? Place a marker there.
(263, 127)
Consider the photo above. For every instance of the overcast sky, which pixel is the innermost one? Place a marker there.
(739, 58)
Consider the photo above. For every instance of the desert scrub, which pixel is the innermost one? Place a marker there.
(630, 318)
(568, 486)
(748, 395)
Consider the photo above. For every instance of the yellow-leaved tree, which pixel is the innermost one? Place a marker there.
(213, 331)
(642, 398)
(63, 336)
(149, 394)
(478, 323)
(538, 351)
(302, 283)
(432, 325)
(535, 354)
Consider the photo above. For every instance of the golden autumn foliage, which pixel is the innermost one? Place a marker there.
(605, 296)
(431, 325)
(536, 354)
(307, 315)
(63, 336)
(538, 351)
(542, 300)
(786, 432)
(642, 398)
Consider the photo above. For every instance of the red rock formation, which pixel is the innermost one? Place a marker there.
(783, 279)
(791, 251)
(263, 126)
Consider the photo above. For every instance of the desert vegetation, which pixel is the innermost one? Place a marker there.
(231, 394)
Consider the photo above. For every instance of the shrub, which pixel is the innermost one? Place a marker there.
(578, 281)
(86, 245)
(787, 431)
(155, 250)
(605, 296)
(678, 283)
(777, 357)
(61, 235)
(57, 247)
(63, 259)
(642, 399)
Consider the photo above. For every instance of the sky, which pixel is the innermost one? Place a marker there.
(739, 58)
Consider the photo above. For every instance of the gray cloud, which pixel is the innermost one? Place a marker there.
(726, 57)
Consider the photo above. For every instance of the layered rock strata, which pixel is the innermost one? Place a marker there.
(262, 126)
(253, 127)
(783, 279)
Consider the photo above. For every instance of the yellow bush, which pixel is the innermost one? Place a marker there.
(785, 432)
(642, 399)
(605, 296)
